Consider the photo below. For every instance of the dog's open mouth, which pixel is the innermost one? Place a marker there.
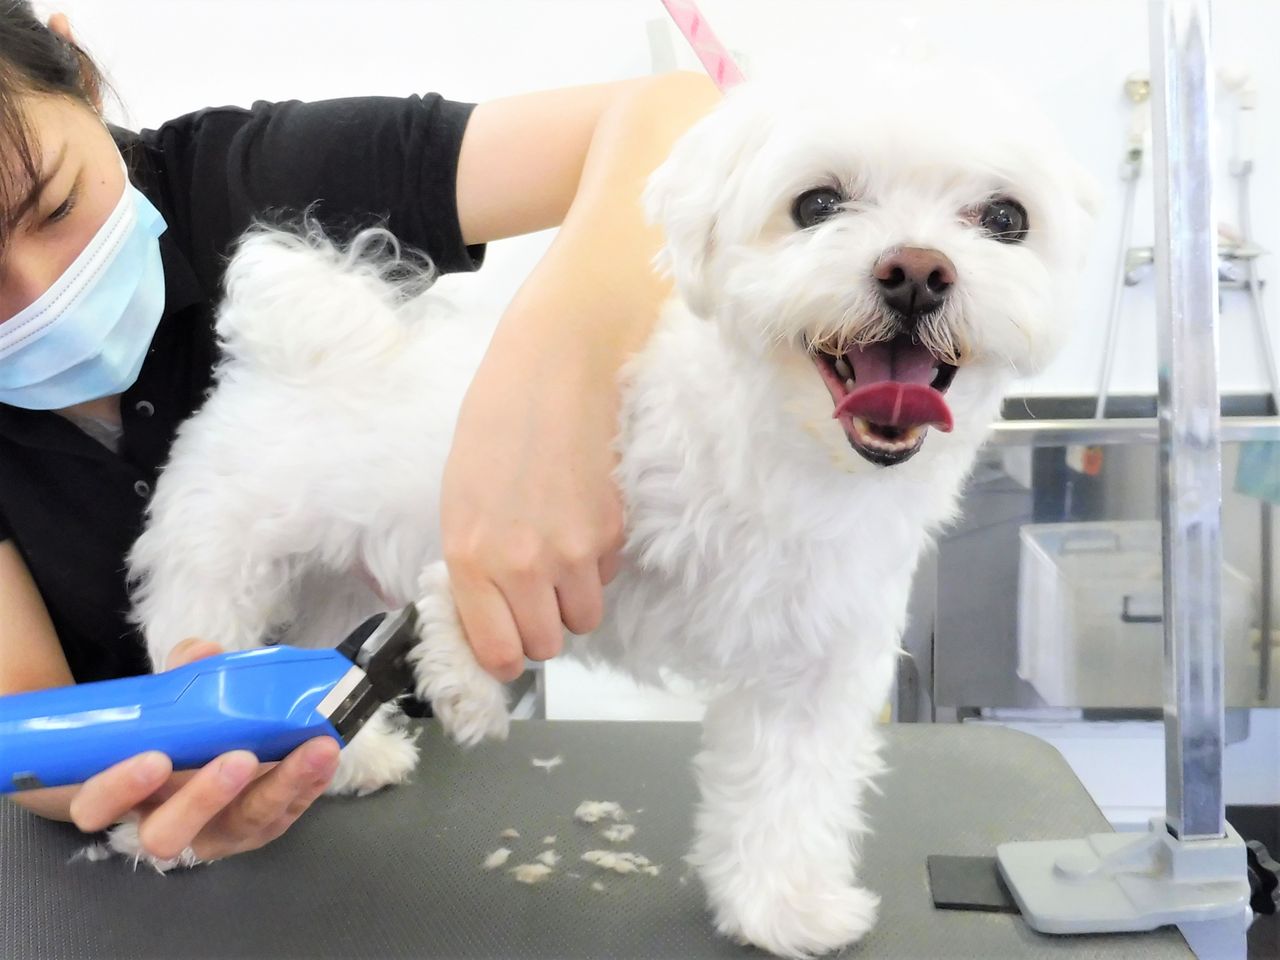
(887, 396)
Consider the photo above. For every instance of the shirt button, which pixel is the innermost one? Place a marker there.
(145, 408)
(142, 488)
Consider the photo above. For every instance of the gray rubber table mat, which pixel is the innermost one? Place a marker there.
(399, 874)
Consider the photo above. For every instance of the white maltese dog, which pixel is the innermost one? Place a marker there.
(860, 272)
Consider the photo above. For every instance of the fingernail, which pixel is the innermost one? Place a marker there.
(236, 768)
(179, 653)
(150, 766)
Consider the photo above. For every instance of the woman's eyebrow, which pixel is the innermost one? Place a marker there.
(38, 186)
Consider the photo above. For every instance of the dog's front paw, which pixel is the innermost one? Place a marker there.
(471, 704)
(793, 921)
(381, 754)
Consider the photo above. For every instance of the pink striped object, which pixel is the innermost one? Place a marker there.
(715, 58)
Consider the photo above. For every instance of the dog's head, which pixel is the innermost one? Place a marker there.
(903, 244)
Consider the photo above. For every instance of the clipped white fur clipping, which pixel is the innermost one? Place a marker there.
(497, 858)
(549, 764)
(550, 838)
(593, 811)
(621, 862)
(549, 857)
(619, 832)
(93, 853)
(511, 833)
(597, 885)
(531, 872)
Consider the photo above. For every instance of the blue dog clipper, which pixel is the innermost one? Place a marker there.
(267, 701)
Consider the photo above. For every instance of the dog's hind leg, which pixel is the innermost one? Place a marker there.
(221, 566)
(206, 567)
(782, 772)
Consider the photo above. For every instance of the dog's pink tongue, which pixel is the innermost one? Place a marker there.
(893, 387)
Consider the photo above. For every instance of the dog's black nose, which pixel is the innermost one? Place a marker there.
(914, 281)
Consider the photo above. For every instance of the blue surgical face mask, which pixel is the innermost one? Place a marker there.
(87, 335)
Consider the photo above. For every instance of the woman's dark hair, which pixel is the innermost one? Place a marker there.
(33, 60)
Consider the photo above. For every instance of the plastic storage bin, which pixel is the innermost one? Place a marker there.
(1090, 616)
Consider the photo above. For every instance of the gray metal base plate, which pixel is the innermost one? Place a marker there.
(1133, 881)
(398, 874)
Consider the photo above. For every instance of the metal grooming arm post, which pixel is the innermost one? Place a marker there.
(1190, 454)
(1189, 869)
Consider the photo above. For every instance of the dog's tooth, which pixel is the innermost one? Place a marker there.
(848, 384)
(842, 368)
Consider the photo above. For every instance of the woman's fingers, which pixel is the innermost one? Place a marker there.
(580, 595)
(171, 827)
(105, 798)
(488, 624)
(517, 604)
(531, 600)
(524, 610)
(609, 565)
(271, 804)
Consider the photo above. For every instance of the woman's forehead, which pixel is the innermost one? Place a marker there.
(51, 124)
(38, 142)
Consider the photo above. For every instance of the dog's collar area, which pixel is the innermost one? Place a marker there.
(887, 395)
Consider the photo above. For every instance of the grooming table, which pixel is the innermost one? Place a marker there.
(399, 874)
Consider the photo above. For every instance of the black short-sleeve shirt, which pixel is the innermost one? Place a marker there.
(71, 505)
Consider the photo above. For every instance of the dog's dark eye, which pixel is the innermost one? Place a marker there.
(814, 206)
(1005, 220)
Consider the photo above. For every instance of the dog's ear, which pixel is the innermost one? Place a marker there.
(693, 184)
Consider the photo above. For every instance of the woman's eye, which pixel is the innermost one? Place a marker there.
(814, 206)
(63, 209)
(1005, 220)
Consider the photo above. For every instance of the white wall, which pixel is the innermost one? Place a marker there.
(167, 57)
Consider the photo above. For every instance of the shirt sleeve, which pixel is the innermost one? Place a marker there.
(347, 163)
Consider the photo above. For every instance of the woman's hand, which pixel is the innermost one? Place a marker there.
(531, 517)
(231, 805)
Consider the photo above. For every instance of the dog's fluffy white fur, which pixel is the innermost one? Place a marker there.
(765, 559)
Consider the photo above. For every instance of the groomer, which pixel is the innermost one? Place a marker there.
(112, 246)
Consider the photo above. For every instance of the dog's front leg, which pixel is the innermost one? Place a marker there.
(782, 772)
(470, 704)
